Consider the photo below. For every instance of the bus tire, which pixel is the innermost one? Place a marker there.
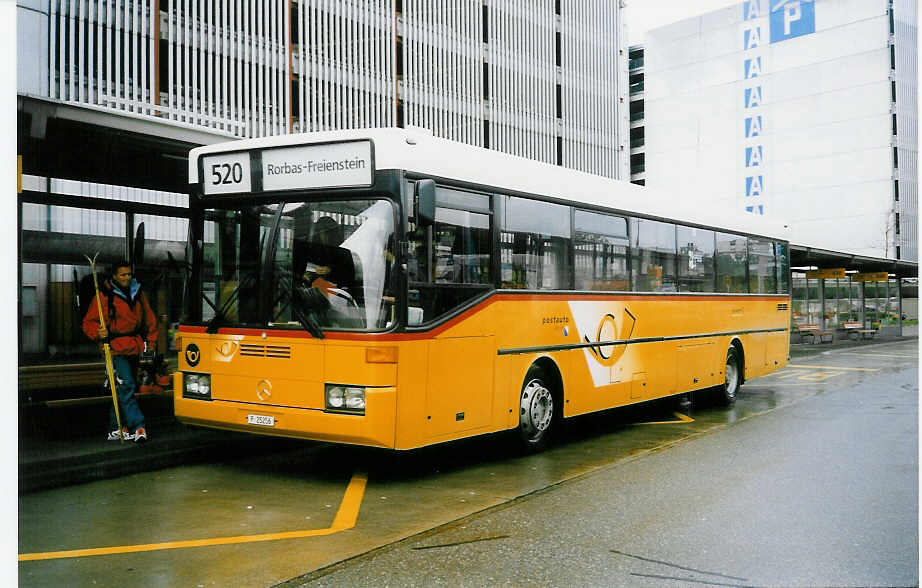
(536, 410)
(733, 377)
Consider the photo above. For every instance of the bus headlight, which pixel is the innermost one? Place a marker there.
(197, 386)
(350, 399)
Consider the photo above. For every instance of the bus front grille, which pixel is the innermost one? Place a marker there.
(256, 350)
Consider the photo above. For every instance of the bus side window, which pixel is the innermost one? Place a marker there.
(457, 265)
(761, 266)
(653, 247)
(731, 263)
(462, 247)
(600, 248)
(696, 259)
(783, 267)
(535, 245)
(418, 257)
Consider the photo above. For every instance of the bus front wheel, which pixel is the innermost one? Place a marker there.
(733, 377)
(536, 411)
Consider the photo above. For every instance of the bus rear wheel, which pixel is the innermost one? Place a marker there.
(536, 411)
(733, 378)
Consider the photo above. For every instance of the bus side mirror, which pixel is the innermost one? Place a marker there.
(425, 203)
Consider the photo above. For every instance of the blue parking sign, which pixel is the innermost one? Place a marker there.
(791, 18)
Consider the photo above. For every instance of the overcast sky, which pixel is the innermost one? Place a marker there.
(642, 15)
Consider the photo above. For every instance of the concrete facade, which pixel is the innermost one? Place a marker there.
(802, 110)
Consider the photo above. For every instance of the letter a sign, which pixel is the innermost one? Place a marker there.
(791, 18)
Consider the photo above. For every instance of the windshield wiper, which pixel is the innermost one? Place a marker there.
(221, 313)
(306, 302)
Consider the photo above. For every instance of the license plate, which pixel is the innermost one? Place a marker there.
(261, 419)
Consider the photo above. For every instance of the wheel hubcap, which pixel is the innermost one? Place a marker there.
(537, 409)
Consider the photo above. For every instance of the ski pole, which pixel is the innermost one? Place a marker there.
(107, 352)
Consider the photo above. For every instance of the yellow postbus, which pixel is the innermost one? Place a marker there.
(388, 288)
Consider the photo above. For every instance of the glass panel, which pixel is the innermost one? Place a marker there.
(762, 266)
(532, 216)
(161, 277)
(783, 267)
(831, 296)
(233, 248)
(871, 304)
(462, 247)
(696, 259)
(457, 266)
(535, 245)
(842, 305)
(344, 252)
(600, 250)
(653, 247)
(891, 304)
(332, 265)
(462, 200)
(855, 301)
(731, 263)
(799, 299)
(57, 286)
(813, 302)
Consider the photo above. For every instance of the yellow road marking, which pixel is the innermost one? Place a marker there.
(682, 419)
(774, 385)
(881, 354)
(345, 518)
(834, 367)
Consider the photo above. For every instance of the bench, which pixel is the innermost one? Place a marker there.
(813, 331)
(853, 328)
(867, 333)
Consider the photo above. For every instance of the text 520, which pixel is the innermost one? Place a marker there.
(226, 173)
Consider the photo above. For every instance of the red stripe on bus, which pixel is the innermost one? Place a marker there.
(436, 331)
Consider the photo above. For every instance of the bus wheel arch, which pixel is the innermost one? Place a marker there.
(742, 358)
(540, 404)
(734, 368)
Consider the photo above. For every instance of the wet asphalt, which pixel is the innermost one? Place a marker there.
(822, 492)
(811, 479)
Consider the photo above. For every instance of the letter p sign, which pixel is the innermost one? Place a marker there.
(791, 13)
(791, 18)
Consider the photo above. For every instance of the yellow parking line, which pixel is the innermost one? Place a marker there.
(345, 518)
(882, 354)
(834, 367)
(682, 419)
(774, 385)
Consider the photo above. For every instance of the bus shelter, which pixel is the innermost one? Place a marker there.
(835, 291)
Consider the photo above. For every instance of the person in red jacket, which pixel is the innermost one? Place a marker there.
(130, 326)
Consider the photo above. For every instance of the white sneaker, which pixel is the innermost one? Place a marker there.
(114, 435)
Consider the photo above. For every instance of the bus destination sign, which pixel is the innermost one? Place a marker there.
(304, 167)
(334, 165)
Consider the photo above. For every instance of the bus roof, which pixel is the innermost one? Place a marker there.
(419, 152)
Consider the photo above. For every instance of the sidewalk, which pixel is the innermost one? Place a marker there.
(48, 459)
(83, 454)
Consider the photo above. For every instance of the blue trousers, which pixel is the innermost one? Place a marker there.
(125, 368)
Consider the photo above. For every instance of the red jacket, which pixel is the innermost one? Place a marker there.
(132, 323)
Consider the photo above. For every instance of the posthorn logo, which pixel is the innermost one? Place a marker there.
(193, 354)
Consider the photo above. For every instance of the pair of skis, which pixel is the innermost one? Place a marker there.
(106, 350)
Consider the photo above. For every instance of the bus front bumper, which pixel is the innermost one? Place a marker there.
(376, 428)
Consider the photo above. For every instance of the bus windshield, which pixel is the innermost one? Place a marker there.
(315, 265)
